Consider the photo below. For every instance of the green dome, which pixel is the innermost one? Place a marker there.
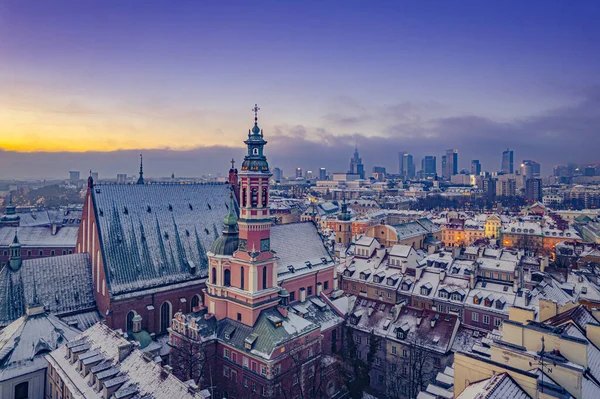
(225, 245)
(228, 243)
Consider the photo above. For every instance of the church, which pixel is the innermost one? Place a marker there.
(268, 323)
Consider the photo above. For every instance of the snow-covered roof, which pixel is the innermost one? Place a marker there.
(132, 373)
(40, 236)
(157, 234)
(295, 244)
(499, 386)
(25, 341)
(63, 285)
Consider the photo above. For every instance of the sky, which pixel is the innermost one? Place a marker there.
(91, 84)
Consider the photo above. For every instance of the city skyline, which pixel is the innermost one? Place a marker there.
(177, 85)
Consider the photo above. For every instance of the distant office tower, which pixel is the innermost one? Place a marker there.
(507, 162)
(526, 171)
(535, 167)
(407, 165)
(309, 174)
(277, 174)
(506, 187)
(444, 166)
(74, 176)
(429, 166)
(322, 174)
(121, 178)
(475, 167)
(356, 165)
(95, 177)
(298, 173)
(589, 171)
(533, 190)
(451, 163)
(560, 171)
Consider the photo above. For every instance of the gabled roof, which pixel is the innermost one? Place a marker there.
(40, 236)
(157, 234)
(295, 244)
(63, 285)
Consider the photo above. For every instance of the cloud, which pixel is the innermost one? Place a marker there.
(570, 133)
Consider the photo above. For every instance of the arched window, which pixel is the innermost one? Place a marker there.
(22, 390)
(165, 316)
(195, 301)
(227, 276)
(129, 322)
(255, 151)
(241, 277)
(214, 275)
(265, 196)
(264, 285)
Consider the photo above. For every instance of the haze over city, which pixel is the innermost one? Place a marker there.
(88, 85)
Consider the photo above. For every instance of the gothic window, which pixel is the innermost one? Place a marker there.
(265, 196)
(165, 316)
(227, 276)
(214, 276)
(242, 278)
(129, 322)
(254, 198)
(195, 301)
(264, 278)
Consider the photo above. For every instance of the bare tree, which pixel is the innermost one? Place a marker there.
(355, 370)
(188, 358)
(411, 371)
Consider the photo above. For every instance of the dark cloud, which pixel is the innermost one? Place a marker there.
(556, 136)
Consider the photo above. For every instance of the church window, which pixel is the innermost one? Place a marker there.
(195, 301)
(265, 196)
(255, 151)
(254, 199)
(214, 275)
(165, 316)
(129, 322)
(239, 317)
(309, 290)
(242, 278)
(227, 276)
(264, 278)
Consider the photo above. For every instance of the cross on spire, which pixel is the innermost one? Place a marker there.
(255, 110)
(232, 163)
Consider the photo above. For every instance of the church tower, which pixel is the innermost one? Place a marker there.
(244, 283)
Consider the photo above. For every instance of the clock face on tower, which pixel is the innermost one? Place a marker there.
(243, 244)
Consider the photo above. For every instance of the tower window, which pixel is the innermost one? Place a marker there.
(244, 196)
(264, 282)
(242, 278)
(239, 317)
(254, 199)
(255, 151)
(214, 275)
(265, 196)
(227, 276)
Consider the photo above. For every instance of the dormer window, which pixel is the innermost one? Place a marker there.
(456, 297)
(476, 300)
(424, 291)
(443, 294)
(499, 304)
(488, 302)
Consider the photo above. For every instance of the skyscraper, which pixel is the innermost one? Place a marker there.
(475, 167)
(322, 174)
(277, 174)
(356, 165)
(444, 166)
(451, 163)
(428, 166)
(407, 165)
(507, 162)
(298, 173)
(535, 167)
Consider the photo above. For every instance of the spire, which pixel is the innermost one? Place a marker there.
(141, 178)
(255, 129)
(15, 260)
(232, 163)
(90, 180)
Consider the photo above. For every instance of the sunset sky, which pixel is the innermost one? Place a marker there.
(177, 79)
